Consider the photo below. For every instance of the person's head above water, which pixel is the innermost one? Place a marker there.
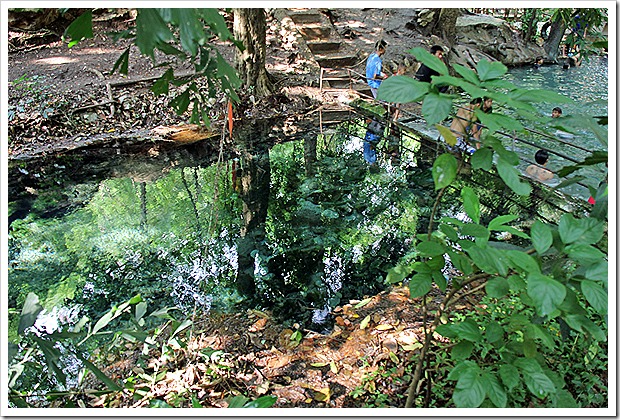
(556, 112)
(541, 157)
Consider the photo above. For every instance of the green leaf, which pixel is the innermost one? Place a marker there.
(181, 102)
(122, 63)
(510, 176)
(430, 248)
(444, 170)
(498, 122)
(440, 280)
(467, 330)
(540, 95)
(494, 332)
(597, 272)
(564, 399)
(546, 293)
(473, 90)
(151, 31)
(539, 384)
(524, 261)
(461, 263)
(398, 274)
(178, 327)
(584, 254)
(482, 159)
(191, 30)
(595, 295)
(498, 222)
(104, 321)
(420, 284)
(470, 390)
(475, 230)
(587, 231)
(462, 350)
(490, 70)
(98, 373)
(449, 231)
(157, 403)
(447, 134)
(429, 60)
(402, 89)
(217, 23)
(497, 287)
(509, 375)
(30, 312)
(436, 108)
(541, 235)
(238, 401)
(494, 389)
(543, 335)
(467, 73)
(52, 356)
(446, 331)
(162, 84)
(583, 324)
(265, 401)
(81, 28)
(471, 203)
(516, 283)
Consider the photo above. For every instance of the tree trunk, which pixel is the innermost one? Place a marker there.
(254, 192)
(446, 25)
(250, 28)
(310, 155)
(556, 33)
(531, 26)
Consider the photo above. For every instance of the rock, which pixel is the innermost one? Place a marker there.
(482, 36)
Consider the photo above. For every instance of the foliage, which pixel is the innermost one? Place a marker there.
(185, 35)
(53, 352)
(557, 280)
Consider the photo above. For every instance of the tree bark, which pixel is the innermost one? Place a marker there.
(310, 155)
(250, 28)
(556, 33)
(446, 25)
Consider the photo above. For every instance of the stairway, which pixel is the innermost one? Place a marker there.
(335, 57)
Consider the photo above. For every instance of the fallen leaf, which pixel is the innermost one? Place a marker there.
(333, 367)
(363, 303)
(258, 325)
(365, 322)
(323, 394)
(320, 364)
(383, 327)
(412, 347)
(339, 320)
(278, 362)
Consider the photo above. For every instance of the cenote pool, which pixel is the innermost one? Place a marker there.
(298, 236)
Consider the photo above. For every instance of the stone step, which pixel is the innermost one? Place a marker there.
(324, 46)
(336, 61)
(334, 115)
(314, 31)
(306, 16)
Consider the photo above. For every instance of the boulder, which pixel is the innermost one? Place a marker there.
(486, 36)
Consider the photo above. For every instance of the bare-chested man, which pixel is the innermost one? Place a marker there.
(461, 124)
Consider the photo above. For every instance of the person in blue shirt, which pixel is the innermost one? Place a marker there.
(374, 64)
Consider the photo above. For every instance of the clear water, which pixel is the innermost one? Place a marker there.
(588, 86)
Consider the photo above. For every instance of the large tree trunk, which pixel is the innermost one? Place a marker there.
(556, 33)
(446, 25)
(255, 182)
(250, 28)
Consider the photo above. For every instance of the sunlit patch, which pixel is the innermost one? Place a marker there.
(56, 60)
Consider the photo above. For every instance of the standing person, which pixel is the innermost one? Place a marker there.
(539, 171)
(425, 73)
(374, 132)
(460, 126)
(374, 64)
